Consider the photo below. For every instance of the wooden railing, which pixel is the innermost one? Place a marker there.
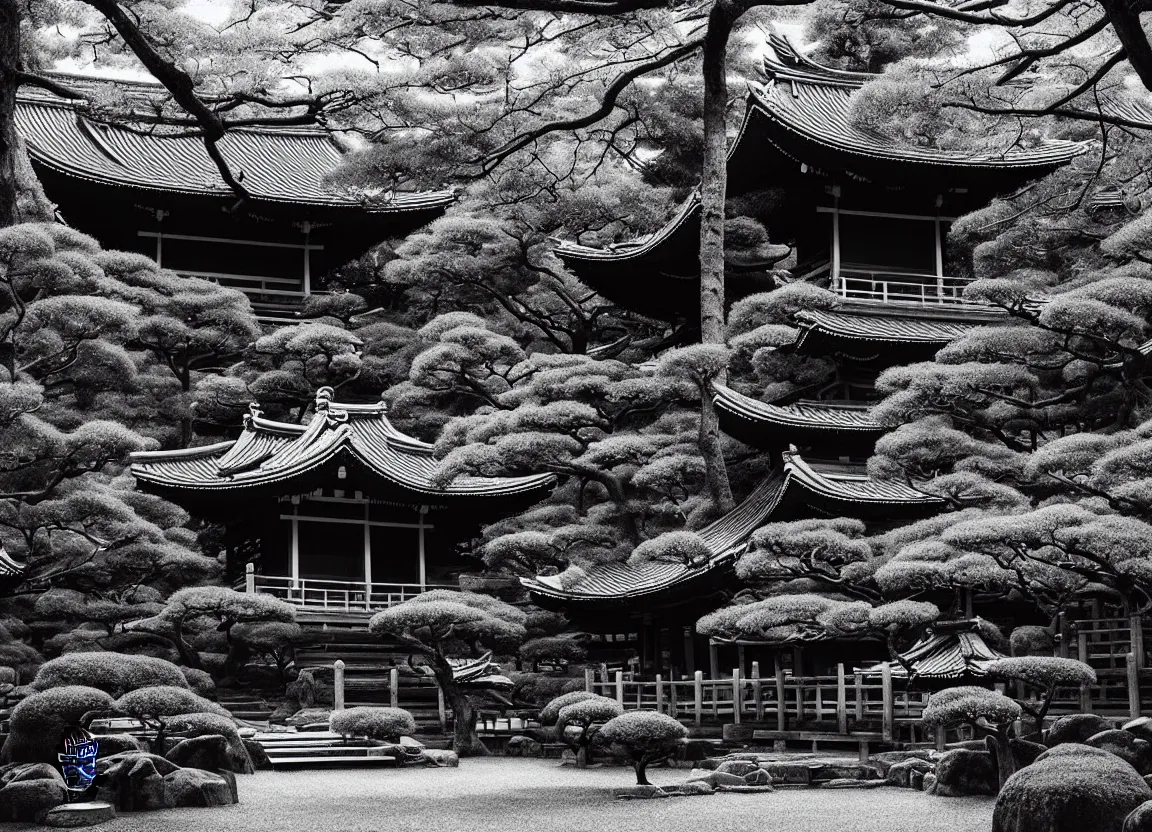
(898, 287)
(848, 698)
(346, 596)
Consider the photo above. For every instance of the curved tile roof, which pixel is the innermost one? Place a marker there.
(884, 328)
(729, 536)
(813, 102)
(641, 246)
(276, 453)
(832, 416)
(726, 538)
(282, 165)
(952, 650)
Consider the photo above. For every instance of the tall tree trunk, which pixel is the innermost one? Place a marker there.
(641, 767)
(712, 449)
(1001, 748)
(465, 741)
(9, 145)
(713, 189)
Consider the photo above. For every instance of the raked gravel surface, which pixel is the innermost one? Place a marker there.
(530, 795)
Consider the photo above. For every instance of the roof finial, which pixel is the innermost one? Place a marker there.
(324, 398)
(254, 412)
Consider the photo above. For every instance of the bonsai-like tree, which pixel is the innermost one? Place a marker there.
(584, 713)
(986, 711)
(646, 736)
(445, 624)
(113, 673)
(1043, 674)
(387, 724)
(153, 705)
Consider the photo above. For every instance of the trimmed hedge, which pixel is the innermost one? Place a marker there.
(375, 723)
(39, 721)
(113, 673)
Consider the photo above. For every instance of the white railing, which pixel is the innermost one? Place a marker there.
(336, 596)
(899, 287)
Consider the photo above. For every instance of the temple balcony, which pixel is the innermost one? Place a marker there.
(313, 595)
(893, 286)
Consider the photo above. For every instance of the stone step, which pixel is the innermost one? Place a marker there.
(276, 752)
(312, 760)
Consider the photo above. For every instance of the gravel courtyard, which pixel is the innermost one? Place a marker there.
(516, 795)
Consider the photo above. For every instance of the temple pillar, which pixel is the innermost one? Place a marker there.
(689, 651)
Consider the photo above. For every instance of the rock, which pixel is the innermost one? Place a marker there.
(1140, 818)
(710, 763)
(104, 765)
(195, 787)
(740, 768)
(746, 789)
(444, 759)
(842, 771)
(887, 759)
(1070, 787)
(900, 774)
(522, 746)
(849, 783)
(916, 780)
(693, 788)
(1125, 745)
(308, 716)
(71, 815)
(33, 771)
(109, 744)
(638, 792)
(782, 772)
(134, 783)
(929, 782)
(568, 757)
(230, 779)
(962, 771)
(758, 777)
(209, 752)
(1075, 728)
(1141, 727)
(257, 755)
(715, 779)
(25, 800)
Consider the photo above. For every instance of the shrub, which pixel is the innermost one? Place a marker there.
(540, 688)
(1043, 672)
(387, 724)
(553, 648)
(202, 724)
(113, 673)
(1031, 640)
(40, 720)
(551, 712)
(200, 681)
(646, 736)
(585, 715)
(151, 704)
(967, 704)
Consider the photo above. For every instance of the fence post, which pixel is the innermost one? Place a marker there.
(841, 699)
(673, 707)
(1065, 635)
(620, 687)
(781, 718)
(443, 710)
(250, 579)
(757, 692)
(588, 680)
(1085, 689)
(394, 687)
(338, 685)
(1136, 628)
(736, 697)
(699, 685)
(659, 694)
(941, 738)
(859, 697)
(604, 673)
(714, 676)
(889, 709)
(1133, 669)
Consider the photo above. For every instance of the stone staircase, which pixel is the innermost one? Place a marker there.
(244, 704)
(368, 663)
(315, 749)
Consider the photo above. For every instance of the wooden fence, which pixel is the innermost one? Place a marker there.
(846, 699)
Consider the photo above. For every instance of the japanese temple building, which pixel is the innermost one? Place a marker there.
(157, 192)
(340, 514)
(868, 216)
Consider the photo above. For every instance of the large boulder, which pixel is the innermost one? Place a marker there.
(964, 771)
(1125, 745)
(310, 716)
(257, 755)
(885, 760)
(134, 782)
(1075, 728)
(522, 746)
(26, 800)
(210, 753)
(1070, 788)
(715, 779)
(900, 774)
(1141, 727)
(442, 758)
(195, 787)
(741, 768)
(1140, 819)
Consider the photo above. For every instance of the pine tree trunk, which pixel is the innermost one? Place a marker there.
(465, 741)
(713, 181)
(641, 767)
(1006, 763)
(9, 145)
(712, 449)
